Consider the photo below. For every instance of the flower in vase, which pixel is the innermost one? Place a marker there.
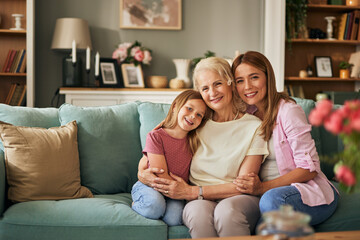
(344, 122)
(132, 53)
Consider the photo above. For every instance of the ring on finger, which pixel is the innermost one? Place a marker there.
(166, 192)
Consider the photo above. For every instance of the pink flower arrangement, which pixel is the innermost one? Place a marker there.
(132, 53)
(344, 122)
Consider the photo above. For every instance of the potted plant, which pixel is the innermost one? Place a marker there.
(345, 69)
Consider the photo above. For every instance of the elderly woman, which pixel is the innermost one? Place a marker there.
(230, 146)
(291, 174)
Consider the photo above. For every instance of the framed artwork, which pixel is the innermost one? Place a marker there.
(323, 66)
(133, 75)
(150, 14)
(109, 73)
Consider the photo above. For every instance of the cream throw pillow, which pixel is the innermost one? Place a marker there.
(42, 164)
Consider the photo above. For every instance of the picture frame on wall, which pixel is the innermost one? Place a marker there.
(150, 14)
(110, 75)
(323, 66)
(133, 75)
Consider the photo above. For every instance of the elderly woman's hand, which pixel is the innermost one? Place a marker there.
(175, 189)
(147, 175)
(249, 184)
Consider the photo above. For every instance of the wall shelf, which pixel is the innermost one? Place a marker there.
(325, 41)
(321, 79)
(8, 31)
(329, 8)
(13, 74)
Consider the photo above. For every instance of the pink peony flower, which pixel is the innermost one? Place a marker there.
(345, 175)
(316, 118)
(324, 107)
(147, 57)
(134, 50)
(139, 55)
(334, 123)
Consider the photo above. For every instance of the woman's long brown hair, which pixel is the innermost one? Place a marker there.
(272, 97)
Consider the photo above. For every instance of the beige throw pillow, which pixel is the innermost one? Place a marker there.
(42, 164)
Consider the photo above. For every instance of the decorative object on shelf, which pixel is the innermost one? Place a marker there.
(323, 66)
(285, 223)
(132, 75)
(156, 82)
(109, 73)
(319, 2)
(296, 13)
(132, 53)
(177, 83)
(316, 33)
(355, 60)
(321, 96)
(344, 122)
(352, 2)
(150, 14)
(309, 71)
(345, 69)
(208, 53)
(335, 2)
(182, 71)
(70, 35)
(17, 17)
(303, 74)
(329, 27)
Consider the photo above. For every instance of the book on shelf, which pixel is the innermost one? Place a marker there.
(342, 25)
(16, 95)
(355, 25)
(14, 61)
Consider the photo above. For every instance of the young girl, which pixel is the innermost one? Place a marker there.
(171, 148)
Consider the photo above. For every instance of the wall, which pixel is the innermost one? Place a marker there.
(221, 26)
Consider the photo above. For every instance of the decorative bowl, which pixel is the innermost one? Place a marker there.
(157, 82)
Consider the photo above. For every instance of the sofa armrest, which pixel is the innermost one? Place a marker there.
(2, 183)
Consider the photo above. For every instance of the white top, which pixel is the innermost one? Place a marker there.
(223, 146)
(269, 169)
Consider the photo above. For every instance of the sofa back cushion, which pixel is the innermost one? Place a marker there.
(151, 114)
(109, 145)
(29, 117)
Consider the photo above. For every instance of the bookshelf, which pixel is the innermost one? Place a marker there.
(301, 53)
(17, 40)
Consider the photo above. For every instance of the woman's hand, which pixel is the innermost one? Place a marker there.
(249, 184)
(147, 175)
(175, 189)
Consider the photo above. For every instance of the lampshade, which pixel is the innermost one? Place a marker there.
(69, 29)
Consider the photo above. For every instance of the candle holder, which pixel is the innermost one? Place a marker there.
(88, 77)
(71, 72)
(329, 28)
(17, 17)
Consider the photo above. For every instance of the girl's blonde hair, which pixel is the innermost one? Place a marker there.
(272, 97)
(171, 118)
(221, 67)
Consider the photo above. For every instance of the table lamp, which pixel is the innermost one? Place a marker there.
(70, 35)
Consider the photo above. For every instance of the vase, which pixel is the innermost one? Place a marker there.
(344, 73)
(329, 28)
(351, 2)
(182, 71)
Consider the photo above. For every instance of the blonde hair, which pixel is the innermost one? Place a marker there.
(221, 67)
(272, 97)
(171, 118)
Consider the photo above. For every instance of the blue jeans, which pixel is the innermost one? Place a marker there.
(274, 198)
(152, 204)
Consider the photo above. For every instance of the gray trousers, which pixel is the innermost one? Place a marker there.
(233, 216)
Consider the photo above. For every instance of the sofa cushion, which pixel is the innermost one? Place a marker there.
(347, 214)
(109, 145)
(29, 117)
(42, 164)
(151, 114)
(102, 217)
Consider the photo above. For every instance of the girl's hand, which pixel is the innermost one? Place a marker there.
(249, 184)
(175, 189)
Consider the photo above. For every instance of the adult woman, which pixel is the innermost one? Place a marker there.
(229, 146)
(293, 162)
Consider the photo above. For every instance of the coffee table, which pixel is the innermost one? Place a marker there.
(346, 235)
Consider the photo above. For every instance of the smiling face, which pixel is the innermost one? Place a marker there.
(251, 84)
(191, 114)
(215, 91)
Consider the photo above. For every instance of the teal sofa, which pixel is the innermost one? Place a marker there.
(110, 140)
